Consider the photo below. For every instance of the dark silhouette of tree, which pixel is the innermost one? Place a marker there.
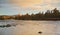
(48, 15)
(33, 16)
(27, 16)
(56, 13)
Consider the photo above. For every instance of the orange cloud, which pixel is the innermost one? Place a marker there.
(26, 3)
(36, 4)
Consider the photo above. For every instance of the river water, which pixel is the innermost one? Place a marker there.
(21, 27)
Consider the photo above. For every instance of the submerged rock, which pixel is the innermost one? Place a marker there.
(40, 32)
(8, 25)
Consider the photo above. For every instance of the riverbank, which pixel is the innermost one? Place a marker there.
(42, 19)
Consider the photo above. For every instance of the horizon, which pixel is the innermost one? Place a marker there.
(13, 7)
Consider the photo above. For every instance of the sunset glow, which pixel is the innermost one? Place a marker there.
(10, 7)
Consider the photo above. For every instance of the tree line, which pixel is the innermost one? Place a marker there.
(48, 15)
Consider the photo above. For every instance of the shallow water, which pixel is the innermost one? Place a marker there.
(30, 27)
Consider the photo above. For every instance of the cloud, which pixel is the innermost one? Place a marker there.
(26, 3)
(28, 6)
(5, 1)
(48, 4)
(56, 0)
(33, 3)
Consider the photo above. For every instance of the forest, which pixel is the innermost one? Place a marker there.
(48, 15)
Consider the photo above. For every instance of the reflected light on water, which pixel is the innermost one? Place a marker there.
(32, 28)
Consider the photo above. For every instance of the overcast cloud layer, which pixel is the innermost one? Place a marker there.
(27, 6)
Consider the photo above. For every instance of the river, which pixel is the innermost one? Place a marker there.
(29, 27)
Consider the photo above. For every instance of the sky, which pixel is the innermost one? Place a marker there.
(12, 7)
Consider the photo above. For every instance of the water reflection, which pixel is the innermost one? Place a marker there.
(31, 28)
